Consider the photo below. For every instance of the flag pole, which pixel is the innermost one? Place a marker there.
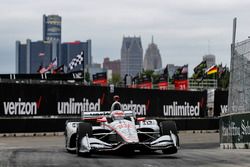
(83, 67)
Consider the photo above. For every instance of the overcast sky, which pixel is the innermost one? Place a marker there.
(183, 30)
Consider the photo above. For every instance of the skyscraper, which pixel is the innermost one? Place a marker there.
(131, 56)
(52, 27)
(30, 56)
(210, 59)
(71, 49)
(114, 65)
(152, 59)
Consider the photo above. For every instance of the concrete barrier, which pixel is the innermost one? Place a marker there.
(46, 125)
(235, 131)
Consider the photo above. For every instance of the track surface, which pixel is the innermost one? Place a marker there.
(199, 149)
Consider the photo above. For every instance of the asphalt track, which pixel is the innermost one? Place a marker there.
(199, 149)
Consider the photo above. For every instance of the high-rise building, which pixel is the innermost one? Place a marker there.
(71, 49)
(112, 65)
(152, 59)
(52, 27)
(210, 59)
(30, 56)
(131, 56)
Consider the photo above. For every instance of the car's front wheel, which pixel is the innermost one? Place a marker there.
(165, 128)
(83, 129)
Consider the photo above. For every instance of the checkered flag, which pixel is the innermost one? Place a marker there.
(76, 61)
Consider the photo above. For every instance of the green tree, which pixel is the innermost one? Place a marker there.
(87, 77)
(116, 79)
(223, 78)
(151, 74)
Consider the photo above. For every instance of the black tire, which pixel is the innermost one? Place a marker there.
(70, 151)
(167, 126)
(66, 134)
(83, 129)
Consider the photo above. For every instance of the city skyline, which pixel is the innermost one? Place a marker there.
(180, 29)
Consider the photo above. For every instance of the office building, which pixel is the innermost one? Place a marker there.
(210, 59)
(71, 49)
(112, 65)
(152, 59)
(30, 56)
(131, 56)
(52, 27)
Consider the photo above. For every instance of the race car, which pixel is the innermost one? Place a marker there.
(119, 130)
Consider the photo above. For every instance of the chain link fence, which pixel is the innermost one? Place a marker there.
(239, 87)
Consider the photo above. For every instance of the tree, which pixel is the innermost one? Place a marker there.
(223, 77)
(116, 79)
(87, 77)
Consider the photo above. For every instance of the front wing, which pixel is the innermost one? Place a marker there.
(166, 142)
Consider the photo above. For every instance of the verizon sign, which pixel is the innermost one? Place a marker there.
(68, 100)
(20, 108)
(139, 109)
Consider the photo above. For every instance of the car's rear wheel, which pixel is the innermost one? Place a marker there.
(166, 127)
(83, 129)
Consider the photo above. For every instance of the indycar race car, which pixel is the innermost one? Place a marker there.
(118, 130)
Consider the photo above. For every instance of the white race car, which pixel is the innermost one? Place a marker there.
(119, 130)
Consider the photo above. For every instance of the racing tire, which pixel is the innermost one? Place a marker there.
(165, 128)
(83, 129)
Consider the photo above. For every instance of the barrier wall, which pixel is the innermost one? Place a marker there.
(29, 100)
(46, 107)
(27, 125)
(220, 102)
(235, 130)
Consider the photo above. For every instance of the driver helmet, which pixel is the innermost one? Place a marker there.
(117, 115)
(116, 98)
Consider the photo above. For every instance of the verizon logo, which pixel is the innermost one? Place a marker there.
(181, 110)
(139, 109)
(223, 108)
(20, 108)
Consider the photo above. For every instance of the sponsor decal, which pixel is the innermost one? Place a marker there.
(74, 107)
(125, 129)
(21, 108)
(181, 110)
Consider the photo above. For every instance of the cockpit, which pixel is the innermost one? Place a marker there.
(117, 115)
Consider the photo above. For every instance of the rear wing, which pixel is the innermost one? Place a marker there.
(100, 114)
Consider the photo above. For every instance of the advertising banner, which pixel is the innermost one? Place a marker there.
(220, 102)
(45, 100)
(145, 85)
(169, 103)
(163, 85)
(235, 128)
(70, 100)
(100, 79)
(181, 84)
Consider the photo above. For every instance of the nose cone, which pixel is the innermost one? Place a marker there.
(126, 130)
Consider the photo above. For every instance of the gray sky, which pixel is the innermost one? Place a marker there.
(183, 30)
